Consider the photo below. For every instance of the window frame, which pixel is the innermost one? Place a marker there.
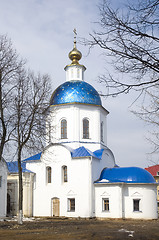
(85, 125)
(71, 204)
(105, 205)
(0, 181)
(64, 174)
(63, 129)
(48, 175)
(102, 131)
(136, 205)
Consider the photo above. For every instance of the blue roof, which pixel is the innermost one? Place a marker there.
(83, 152)
(99, 153)
(33, 158)
(13, 167)
(127, 175)
(75, 92)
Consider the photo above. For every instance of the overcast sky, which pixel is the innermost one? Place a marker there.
(42, 32)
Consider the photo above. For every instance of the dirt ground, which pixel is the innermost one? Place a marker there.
(51, 228)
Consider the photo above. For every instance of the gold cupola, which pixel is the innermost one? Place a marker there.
(75, 71)
(75, 55)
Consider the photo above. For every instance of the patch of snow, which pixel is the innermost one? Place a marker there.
(131, 233)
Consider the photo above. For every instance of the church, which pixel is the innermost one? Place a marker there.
(76, 174)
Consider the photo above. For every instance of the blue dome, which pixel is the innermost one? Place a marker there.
(75, 92)
(127, 174)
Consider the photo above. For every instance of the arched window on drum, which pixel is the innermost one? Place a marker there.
(85, 128)
(102, 132)
(63, 129)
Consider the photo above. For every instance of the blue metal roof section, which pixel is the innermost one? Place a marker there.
(33, 158)
(82, 152)
(99, 153)
(126, 175)
(13, 167)
(75, 92)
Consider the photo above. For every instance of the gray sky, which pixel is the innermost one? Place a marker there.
(42, 32)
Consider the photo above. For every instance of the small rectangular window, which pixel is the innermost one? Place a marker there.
(71, 204)
(136, 205)
(0, 181)
(105, 203)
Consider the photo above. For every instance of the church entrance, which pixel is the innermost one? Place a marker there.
(55, 202)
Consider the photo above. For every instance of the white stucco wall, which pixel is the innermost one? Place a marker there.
(3, 188)
(82, 172)
(74, 114)
(113, 193)
(78, 185)
(147, 194)
(121, 200)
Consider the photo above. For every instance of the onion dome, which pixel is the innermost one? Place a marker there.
(75, 92)
(75, 55)
(127, 175)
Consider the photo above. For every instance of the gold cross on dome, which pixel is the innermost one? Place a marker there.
(74, 30)
(75, 37)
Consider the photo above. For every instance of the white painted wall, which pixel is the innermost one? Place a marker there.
(3, 188)
(121, 200)
(74, 114)
(147, 194)
(82, 172)
(74, 72)
(113, 193)
(78, 185)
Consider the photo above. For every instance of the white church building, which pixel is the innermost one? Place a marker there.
(76, 174)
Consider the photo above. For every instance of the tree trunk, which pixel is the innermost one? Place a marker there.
(20, 213)
(3, 130)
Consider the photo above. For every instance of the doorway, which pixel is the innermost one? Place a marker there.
(8, 205)
(55, 202)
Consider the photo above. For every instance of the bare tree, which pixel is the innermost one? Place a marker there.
(129, 37)
(24, 97)
(149, 112)
(29, 104)
(10, 66)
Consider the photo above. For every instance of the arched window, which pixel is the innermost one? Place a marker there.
(48, 174)
(64, 129)
(49, 133)
(64, 173)
(85, 128)
(102, 133)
